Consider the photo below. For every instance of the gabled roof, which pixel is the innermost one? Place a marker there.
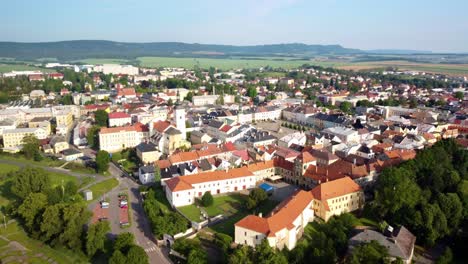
(119, 115)
(282, 217)
(336, 188)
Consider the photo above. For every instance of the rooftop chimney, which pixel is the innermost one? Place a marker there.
(260, 215)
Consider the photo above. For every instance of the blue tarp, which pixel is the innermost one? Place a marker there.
(266, 187)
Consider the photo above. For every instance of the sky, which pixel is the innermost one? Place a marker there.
(429, 25)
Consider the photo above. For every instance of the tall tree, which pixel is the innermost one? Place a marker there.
(102, 161)
(29, 180)
(30, 146)
(96, 237)
(31, 208)
(101, 117)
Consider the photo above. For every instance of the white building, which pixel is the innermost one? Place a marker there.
(179, 120)
(201, 100)
(282, 228)
(183, 190)
(116, 69)
(346, 135)
(119, 119)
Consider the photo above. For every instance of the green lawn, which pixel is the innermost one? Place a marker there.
(231, 206)
(37, 252)
(101, 188)
(20, 158)
(6, 168)
(59, 178)
(191, 212)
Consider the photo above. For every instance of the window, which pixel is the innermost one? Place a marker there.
(245, 233)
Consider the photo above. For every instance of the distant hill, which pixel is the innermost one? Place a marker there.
(399, 51)
(83, 49)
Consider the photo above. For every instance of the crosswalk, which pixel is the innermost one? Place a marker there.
(150, 249)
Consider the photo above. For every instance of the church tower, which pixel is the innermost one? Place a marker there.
(179, 120)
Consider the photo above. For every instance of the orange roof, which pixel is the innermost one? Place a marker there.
(261, 166)
(137, 127)
(282, 217)
(185, 182)
(336, 188)
(126, 92)
(161, 126)
(306, 157)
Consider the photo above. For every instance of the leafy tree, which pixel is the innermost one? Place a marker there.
(170, 102)
(102, 161)
(29, 180)
(66, 100)
(31, 208)
(446, 257)
(207, 199)
(118, 258)
(369, 253)
(256, 196)
(30, 146)
(137, 255)
(92, 136)
(189, 97)
(101, 117)
(241, 255)
(346, 107)
(459, 95)
(264, 254)
(96, 237)
(252, 91)
(124, 241)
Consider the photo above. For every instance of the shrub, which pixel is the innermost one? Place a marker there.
(207, 199)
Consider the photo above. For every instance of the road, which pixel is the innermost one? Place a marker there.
(140, 225)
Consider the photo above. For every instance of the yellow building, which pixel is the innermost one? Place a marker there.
(118, 138)
(337, 197)
(59, 144)
(147, 153)
(13, 138)
(42, 122)
(64, 118)
(173, 140)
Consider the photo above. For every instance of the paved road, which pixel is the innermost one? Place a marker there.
(140, 226)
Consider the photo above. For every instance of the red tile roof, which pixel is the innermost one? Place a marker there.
(185, 182)
(118, 115)
(282, 217)
(336, 188)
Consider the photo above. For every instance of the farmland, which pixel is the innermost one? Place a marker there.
(451, 69)
(21, 67)
(224, 64)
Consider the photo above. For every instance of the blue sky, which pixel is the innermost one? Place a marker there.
(366, 24)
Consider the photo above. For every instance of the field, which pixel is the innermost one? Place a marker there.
(224, 64)
(103, 61)
(21, 67)
(451, 69)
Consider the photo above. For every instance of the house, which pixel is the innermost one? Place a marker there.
(336, 197)
(119, 119)
(399, 242)
(298, 138)
(146, 174)
(71, 154)
(147, 152)
(182, 190)
(282, 228)
(58, 143)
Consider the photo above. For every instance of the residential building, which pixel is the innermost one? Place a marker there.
(283, 228)
(146, 174)
(147, 152)
(119, 119)
(183, 190)
(118, 138)
(336, 197)
(13, 138)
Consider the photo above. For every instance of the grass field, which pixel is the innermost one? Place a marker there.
(21, 67)
(103, 61)
(17, 247)
(100, 188)
(224, 64)
(451, 69)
